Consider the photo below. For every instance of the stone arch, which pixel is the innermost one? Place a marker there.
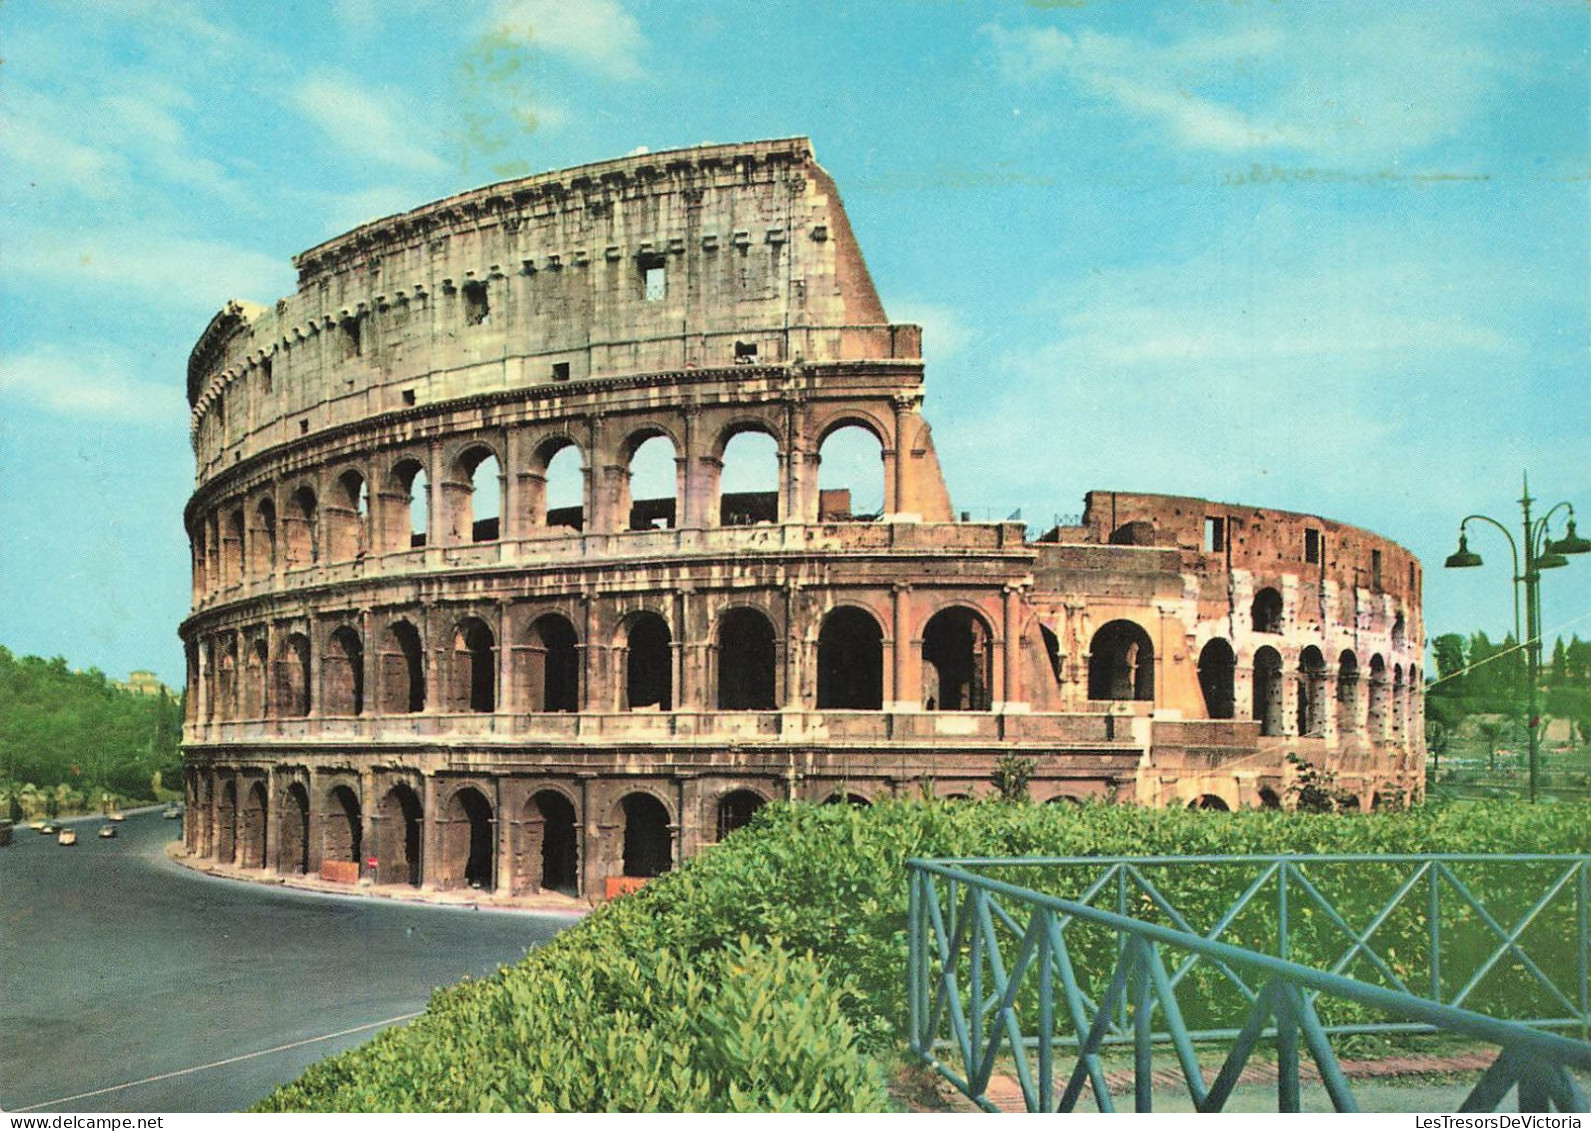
(474, 492)
(648, 836)
(1347, 693)
(845, 797)
(747, 661)
(557, 484)
(342, 673)
(468, 841)
(1121, 663)
(850, 661)
(549, 665)
(644, 446)
(1265, 614)
(1269, 798)
(251, 826)
(402, 670)
(262, 543)
(292, 837)
(292, 698)
(341, 837)
(472, 668)
(648, 661)
(226, 823)
(348, 517)
(746, 462)
(1311, 693)
(558, 850)
(736, 809)
(1268, 690)
(1217, 673)
(400, 828)
(958, 660)
(256, 693)
(848, 488)
(1375, 721)
(1399, 632)
(302, 527)
(410, 528)
(1212, 802)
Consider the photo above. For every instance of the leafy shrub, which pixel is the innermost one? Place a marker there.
(660, 1001)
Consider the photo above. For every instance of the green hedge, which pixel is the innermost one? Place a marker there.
(768, 974)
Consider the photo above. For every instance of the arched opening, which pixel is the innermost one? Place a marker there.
(1210, 802)
(648, 842)
(736, 809)
(958, 653)
(292, 677)
(746, 661)
(255, 700)
(414, 487)
(1347, 693)
(349, 519)
(226, 688)
(850, 661)
(850, 475)
(1266, 612)
(256, 811)
(560, 843)
(650, 485)
(292, 853)
(1399, 633)
(263, 544)
(400, 821)
(558, 492)
(340, 839)
(1121, 663)
(200, 556)
(1217, 668)
(402, 671)
(1398, 702)
(302, 528)
(343, 673)
(473, 686)
(854, 800)
(648, 665)
(1311, 693)
(478, 497)
(468, 842)
(1268, 690)
(1376, 716)
(226, 824)
(232, 549)
(1270, 799)
(1052, 651)
(550, 665)
(748, 481)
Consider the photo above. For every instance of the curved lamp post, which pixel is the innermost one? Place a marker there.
(1540, 553)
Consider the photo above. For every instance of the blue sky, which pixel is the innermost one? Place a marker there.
(1331, 257)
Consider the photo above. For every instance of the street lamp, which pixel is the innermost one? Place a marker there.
(1540, 553)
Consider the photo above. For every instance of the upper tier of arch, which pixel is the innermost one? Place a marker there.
(713, 257)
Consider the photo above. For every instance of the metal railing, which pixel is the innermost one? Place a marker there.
(998, 970)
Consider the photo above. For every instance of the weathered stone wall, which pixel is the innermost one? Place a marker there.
(384, 666)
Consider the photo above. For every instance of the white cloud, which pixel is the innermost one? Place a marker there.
(597, 33)
(91, 385)
(156, 270)
(362, 123)
(944, 332)
(1284, 79)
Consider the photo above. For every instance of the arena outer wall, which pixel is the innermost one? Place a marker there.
(396, 678)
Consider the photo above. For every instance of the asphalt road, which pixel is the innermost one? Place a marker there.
(118, 966)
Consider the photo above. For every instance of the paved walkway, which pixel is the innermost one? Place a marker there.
(546, 903)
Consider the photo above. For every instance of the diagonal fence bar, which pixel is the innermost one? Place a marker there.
(1066, 947)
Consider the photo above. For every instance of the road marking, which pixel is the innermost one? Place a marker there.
(221, 1063)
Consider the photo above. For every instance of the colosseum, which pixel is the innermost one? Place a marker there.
(481, 597)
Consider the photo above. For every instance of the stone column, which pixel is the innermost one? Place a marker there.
(273, 821)
(507, 697)
(430, 837)
(511, 519)
(369, 845)
(433, 494)
(902, 695)
(1010, 633)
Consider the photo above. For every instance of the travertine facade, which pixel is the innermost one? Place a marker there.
(404, 649)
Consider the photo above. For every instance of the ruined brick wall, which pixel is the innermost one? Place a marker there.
(385, 665)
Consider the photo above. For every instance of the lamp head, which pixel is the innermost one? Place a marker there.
(1570, 544)
(1463, 559)
(1551, 560)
